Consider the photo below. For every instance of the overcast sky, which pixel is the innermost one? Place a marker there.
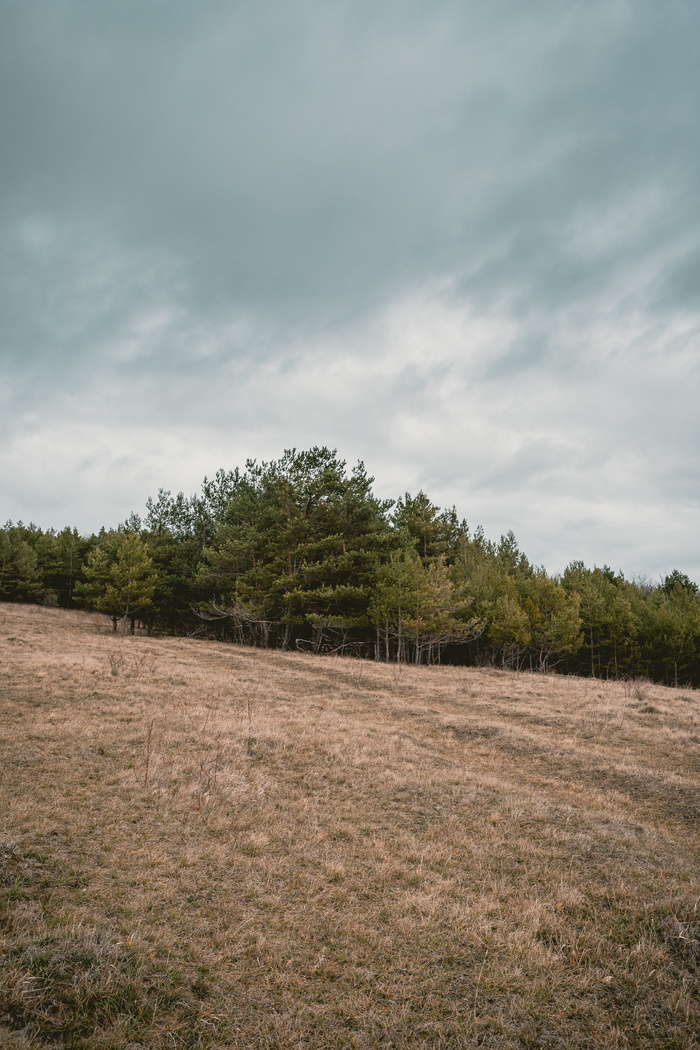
(459, 241)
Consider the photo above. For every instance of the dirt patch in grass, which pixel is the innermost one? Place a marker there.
(210, 846)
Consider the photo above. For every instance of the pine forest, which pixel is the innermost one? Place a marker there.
(299, 553)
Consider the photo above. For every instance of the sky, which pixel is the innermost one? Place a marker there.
(459, 242)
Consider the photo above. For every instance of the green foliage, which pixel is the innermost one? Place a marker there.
(299, 552)
(120, 578)
(424, 527)
(297, 547)
(417, 610)
(20, 578)
(679, 581)
(675, 630)
(61, 557)
(553, 620)
(609, 621)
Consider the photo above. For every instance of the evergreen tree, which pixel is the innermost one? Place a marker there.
(20, 577)
(417, 611)
(609, 623)
(507, 627)
(554, 621)
(61, 557)
(676, 580)
(120, 578)
(676, 633)
(431, 532)
(296, 552)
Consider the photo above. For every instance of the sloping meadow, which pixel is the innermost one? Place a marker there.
(204, 845)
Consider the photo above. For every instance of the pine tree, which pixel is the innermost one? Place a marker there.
(554, 621)
(20, 577)
(120, 578)
(677, 632)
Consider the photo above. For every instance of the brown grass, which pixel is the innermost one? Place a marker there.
(211, 846)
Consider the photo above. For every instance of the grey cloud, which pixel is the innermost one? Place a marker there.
(310, 157)
(195, 197)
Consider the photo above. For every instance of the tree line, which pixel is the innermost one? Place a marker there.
(299, 552)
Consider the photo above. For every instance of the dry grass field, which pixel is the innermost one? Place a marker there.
(208, 846)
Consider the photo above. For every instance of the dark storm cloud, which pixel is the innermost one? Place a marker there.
(313, 158)
(206, 206)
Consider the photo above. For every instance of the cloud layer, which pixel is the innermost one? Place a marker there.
(458, 241)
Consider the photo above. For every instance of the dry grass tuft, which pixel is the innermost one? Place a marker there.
(77, 985)
(211, 846)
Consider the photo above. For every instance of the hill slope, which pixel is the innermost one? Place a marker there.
(205, 845)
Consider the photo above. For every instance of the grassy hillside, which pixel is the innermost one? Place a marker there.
(209, 846)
